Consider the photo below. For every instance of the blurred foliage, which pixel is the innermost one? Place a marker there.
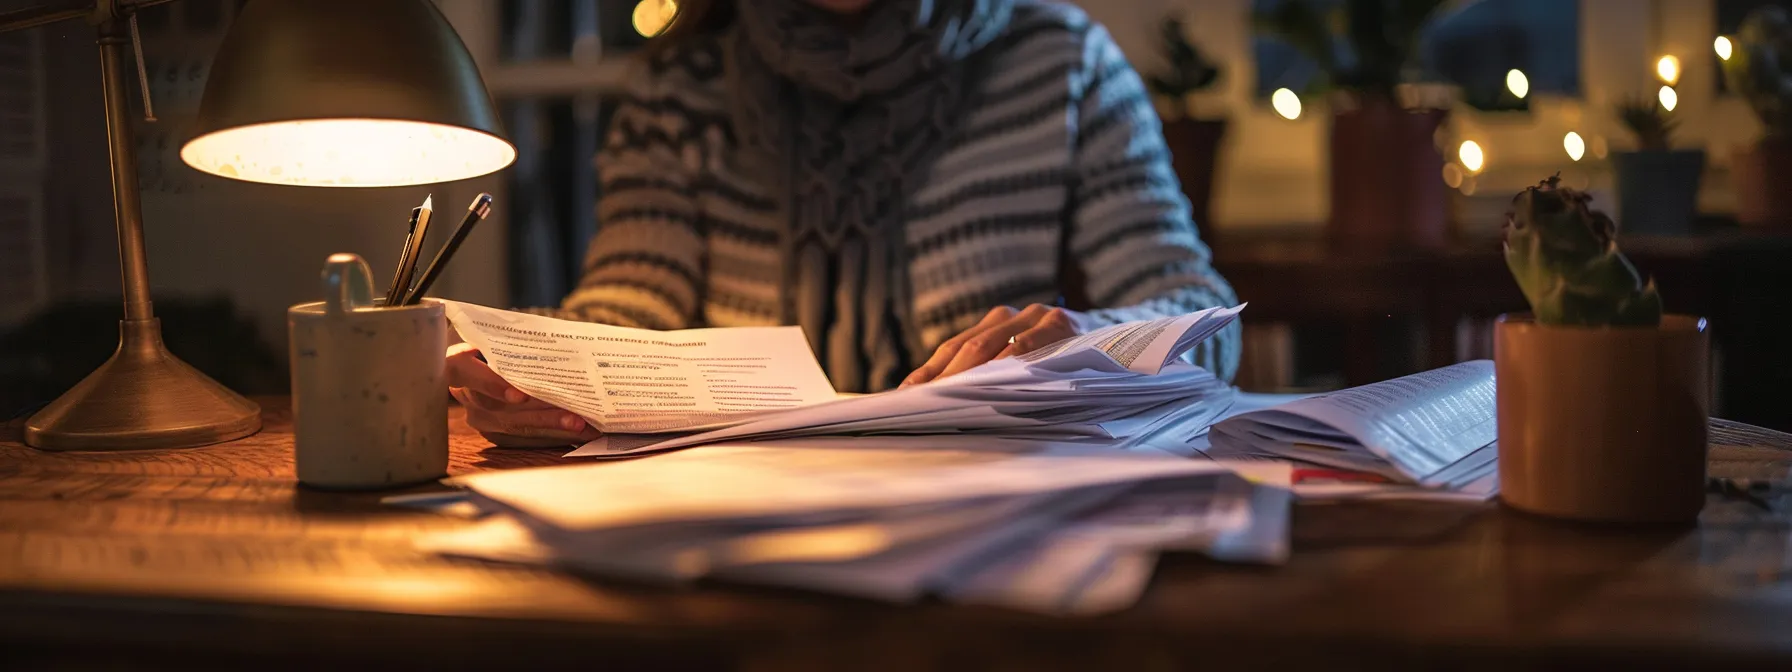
(1189, 70)
(1760, 67)
(1652, 124)
(1364, 46)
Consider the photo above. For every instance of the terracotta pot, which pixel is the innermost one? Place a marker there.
(1387, 189)
(1603, 424)
(1194, 149)
(1658, 190)
(1763, 172)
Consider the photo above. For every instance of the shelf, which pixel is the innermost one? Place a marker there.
(557, 78)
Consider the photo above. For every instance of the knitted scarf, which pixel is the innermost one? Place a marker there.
(847, 113)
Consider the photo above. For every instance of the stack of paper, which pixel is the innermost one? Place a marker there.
(1049, 481)
(1430, 435)
(1127, 387)
(1055, 528)
(1116, 387)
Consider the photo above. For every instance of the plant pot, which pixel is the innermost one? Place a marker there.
(1603, 424)
(1762, 172)
(1387, 190)
(1658, 190)
(1194, 149)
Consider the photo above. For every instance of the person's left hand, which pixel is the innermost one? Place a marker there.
(1004, 332)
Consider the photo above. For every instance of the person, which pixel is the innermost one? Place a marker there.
(922, 185)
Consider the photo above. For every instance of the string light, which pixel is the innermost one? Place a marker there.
(1286, 103)
(1471, 156)
(1668, 69)
(652, 16)
(1668, 98)
(1722, 44)
(1517, 83)
(1575, 145)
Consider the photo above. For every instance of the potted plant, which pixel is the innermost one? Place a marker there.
(1385, 185)
(1193, 141)
(1658, 187)
(1603, 401)
(1760, 70)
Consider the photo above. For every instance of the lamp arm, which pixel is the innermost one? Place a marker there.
(53, 12)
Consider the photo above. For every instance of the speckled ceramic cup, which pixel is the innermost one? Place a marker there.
(369, 391)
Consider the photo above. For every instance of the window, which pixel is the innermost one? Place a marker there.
(1472, 46)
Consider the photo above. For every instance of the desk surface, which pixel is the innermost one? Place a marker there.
(212, 555)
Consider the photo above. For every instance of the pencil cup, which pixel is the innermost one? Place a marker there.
(370, 407)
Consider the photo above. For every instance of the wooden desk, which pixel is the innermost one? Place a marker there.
(212, 556)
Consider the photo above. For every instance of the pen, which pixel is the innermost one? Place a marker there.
(413, 244)
(410, 265)
(404, 252)
(482, 205)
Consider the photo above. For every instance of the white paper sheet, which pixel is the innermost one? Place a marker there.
(1421, 423)
(636, 380)
(1416, 425)
(1080, 550)
(1426, 436)
(1012, 387)
(1147, 346)
(748, 482)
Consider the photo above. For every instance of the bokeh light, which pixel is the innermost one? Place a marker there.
(1471, 156)
(1517, 83)
(1286, 103)
(652, 16)
(1668, 69)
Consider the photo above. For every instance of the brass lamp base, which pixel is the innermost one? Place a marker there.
(143, 397)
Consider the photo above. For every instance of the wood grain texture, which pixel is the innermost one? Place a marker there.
(213, 556)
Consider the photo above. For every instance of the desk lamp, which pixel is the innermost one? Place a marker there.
(336, 93)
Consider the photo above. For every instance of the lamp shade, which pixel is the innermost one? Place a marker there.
(345, 93)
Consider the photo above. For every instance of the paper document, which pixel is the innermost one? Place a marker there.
(1435, 429)
(1146, 346)
(1053, 528)
(1079, 387)
(754, 482)
(637, 380)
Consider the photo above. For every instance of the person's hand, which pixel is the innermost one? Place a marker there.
(503, 414)
(1004, 332)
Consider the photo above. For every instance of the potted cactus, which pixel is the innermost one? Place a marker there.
(1385, 186)
(1194, 141)
(1760, 70)
(1658, 186)
(1603, 401)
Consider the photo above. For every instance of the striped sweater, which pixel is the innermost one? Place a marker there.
(1062, 162)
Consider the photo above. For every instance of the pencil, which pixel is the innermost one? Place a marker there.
(482, 205)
